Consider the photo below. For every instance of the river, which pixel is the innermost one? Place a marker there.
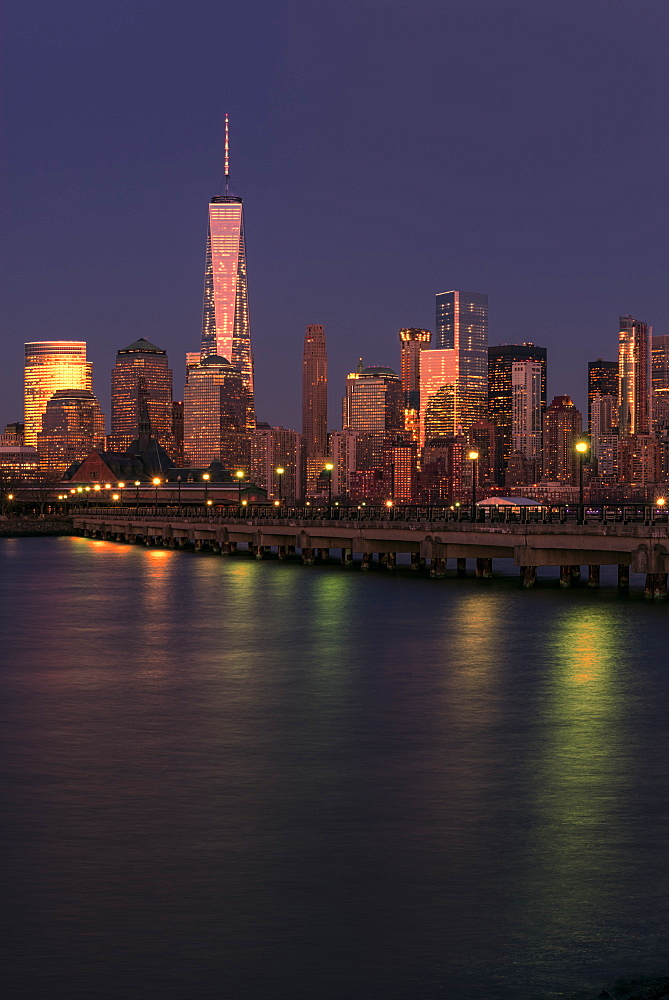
(243, 779)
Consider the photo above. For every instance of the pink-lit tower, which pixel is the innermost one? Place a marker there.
(314, 404)
(226, 330)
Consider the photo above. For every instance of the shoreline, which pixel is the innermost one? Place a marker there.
(52, 527)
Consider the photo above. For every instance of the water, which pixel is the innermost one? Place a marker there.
(228, 778)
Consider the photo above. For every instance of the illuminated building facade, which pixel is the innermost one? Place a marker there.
(634, 354)
(226, 329)
(639, 459)
(51, 365)
(412, 342)
(438, 411)
(563, 426)
(462, 327)
(401, 460)
(18, 462)
(501, 359)
(373, 406)
(604, 434)
(215, 402)
(314, 405)
(275, 448)
(602, 381)
(660, 364)
(178, 432)
(140, 376)
(344, 457)
(526, 414)
(72, 427)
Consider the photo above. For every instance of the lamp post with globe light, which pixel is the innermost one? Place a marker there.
(473, 456)
(206, 478)
(581, 449)
(329, 468)
(240, 475)
(279, 474)
(156, 483)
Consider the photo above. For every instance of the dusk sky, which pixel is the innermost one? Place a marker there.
(385, 151)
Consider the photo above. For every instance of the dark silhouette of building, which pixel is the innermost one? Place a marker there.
(501, 359)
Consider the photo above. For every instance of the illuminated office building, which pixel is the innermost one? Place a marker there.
(373, 406)
(344, 457)
(501, 359)
(602, 381)
(604, 434)
(462, 327)
(660, 364)
(215, 416)
(563, 426)
(72, 427)
(51, 365)
(226, 329)
(438, 389)
(412, 342)
(634, 398)
(141, 375)
(314, 405)
(526, 414)
(275, 448)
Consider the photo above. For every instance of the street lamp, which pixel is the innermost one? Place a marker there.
(240, 475)
(328, 468)
(581, 448)
(179, 490)
(280, 471)
(137, 484)
(156, 483)
(473, 456)
(206, 478)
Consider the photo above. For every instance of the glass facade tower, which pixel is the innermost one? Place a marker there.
(501, 359)
(634, 355)
(141, 375)
(51, 365)
(462, 326)
(226, 330)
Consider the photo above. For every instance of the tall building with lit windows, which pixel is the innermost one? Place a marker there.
(413, 341)
(462, 327)
(141, 375)
(438, 395)
(602, 381)
(527, 412)
(372, 406)
(72, 426)
(51, 365)
(660, 364)
(634, 371)
(501, 359)
(226, 329)
(214, 415)
(314, 405)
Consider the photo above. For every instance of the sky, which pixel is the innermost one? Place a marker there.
(385, 151)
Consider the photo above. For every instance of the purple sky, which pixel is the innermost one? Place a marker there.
(385, 151)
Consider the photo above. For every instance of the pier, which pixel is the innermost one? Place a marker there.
(635, 541)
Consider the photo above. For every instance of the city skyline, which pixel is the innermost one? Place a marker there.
(540, 234)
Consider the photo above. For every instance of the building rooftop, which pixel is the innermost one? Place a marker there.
(141, 346)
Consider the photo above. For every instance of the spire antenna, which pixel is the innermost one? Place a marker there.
(227, 155)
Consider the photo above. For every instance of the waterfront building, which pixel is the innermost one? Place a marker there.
(526, 413)
(314, 405)
(604, 434)
(17, 462)
(602, 381)
(372, 406)
(51, 365)
(141, 375)
(72, 426)
(462, 327)
(413, 341)
(639, 458)
(226, 329)
(215, 409)
(275, 448)
(563, 426)
(634, 353)
(501, 359)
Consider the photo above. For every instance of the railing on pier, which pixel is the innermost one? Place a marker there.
(646, 514)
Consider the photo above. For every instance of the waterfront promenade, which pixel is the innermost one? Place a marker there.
(635, 539)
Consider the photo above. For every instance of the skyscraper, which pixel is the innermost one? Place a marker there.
(141, 375)
(226, 330)
(562, 428)
(602, 381)
(214, 415)
(51, 365)
(660, 364)
(438, 391)
(412, 341)
(526, 425)
(314, 404)
(72, 426)
(373, 406)
(501, 359)
(634, 353)
(462, 327)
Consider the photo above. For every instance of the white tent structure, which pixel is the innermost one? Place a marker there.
(509, 502)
